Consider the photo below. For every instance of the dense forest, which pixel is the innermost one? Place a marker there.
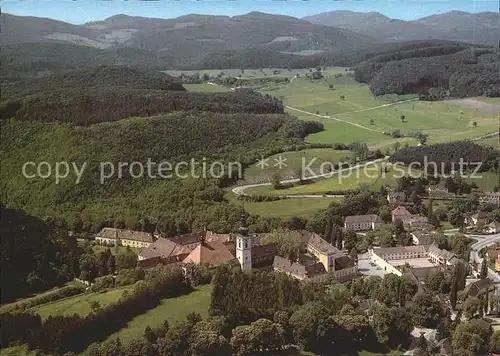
(88, 96)
(180, 204)
(454, 69)
(85, 106)
(26, 60)
(447, 156)
(35, 255)
(101, 76)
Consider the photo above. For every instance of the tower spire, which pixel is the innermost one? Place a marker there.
(243, 229)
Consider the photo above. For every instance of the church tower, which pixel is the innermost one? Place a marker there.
(244, 246)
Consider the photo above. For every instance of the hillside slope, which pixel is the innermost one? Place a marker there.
(435, 72)
(479, 28)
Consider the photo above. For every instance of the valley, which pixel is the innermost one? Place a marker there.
(250, 184)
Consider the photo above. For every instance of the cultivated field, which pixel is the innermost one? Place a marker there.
(80, 304)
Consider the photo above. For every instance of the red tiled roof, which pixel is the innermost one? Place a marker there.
(212, 253)
(400, 210)
(264, 250)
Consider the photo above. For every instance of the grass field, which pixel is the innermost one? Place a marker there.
(285, 208)
(6, 307)
(369, 177)
(171, 309)
(487, 182)
(293, 161)
(253, 73)
(490, 141)
(79, 304)
(442, 121)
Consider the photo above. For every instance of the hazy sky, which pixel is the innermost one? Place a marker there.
(81, 11)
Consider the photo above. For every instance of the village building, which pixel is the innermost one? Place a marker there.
(362, 222)
(298, 270)
(210, 254)
(476, 219)
(492, 228)
(416, 221)
(497, 262)
(400, 213)
(422, 237)
(113, 236)
(440, 256)
(326, 260)
(479, 287)
(396, 197)
(492, 198)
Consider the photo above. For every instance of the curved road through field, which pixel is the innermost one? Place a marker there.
(240, 190)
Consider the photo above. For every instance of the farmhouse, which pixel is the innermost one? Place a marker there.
(112, 236)
(362, 222)
(400, 213)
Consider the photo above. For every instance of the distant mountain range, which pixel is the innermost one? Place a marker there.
(480, 28)
(254, 40)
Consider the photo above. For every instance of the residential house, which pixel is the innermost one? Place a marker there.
(480, 218)
(400, 213)
(492, 228)
(492, 198)
(437, 192)
(416, 221)
(423, 238)
(112, 236)
(479, 287)
(396, 197)
(362, 222)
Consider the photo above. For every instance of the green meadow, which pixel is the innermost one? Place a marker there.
(293, 162)
(171, 309)
(369, 176)
(80, 304)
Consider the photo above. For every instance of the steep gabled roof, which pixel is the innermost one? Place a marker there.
(112, 233)
(356, 219)
(211, 253)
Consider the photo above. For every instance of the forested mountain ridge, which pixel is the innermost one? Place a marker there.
(186, 36)
(478, 28)
(435, 72)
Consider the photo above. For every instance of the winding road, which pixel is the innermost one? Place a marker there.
(484, 241)
(240, 190)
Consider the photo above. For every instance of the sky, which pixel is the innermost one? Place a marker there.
(82, 11)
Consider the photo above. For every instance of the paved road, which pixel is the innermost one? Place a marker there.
(482, 242)
(240, 190)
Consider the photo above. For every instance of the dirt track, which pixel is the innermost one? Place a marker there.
(476, 104)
